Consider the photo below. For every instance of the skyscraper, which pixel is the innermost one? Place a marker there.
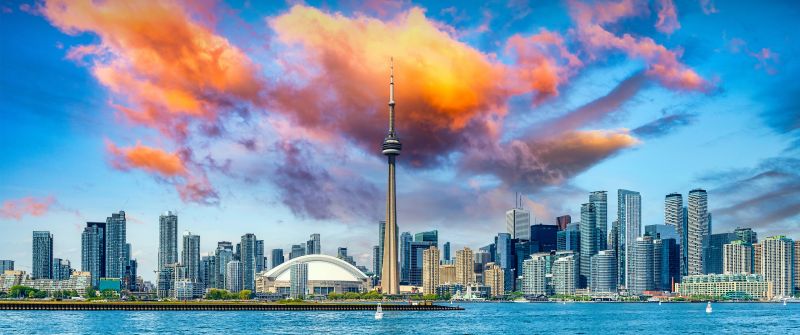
(297, 251)
(376, 252)
(405, 257)
(697, 230)
(588, 241)
(603, 277)
(673, 216)
(42, 267)
(600, 201)
(432, 237)
(168, 239)
(390, 280)
(224, 254)
(93, 251)
(190, 257)
(737, 258)
(746, 235)
(233, 276)
(6, 265)
(534, 275)
(313, 246)
(563, 221)
(640, 275)
(518, 223)
(629, 218)
(298, 280)
(565, 275)
(116, 255)
(277, 257)
(260, 259)
(569, 238)
(248, 259)
(62, 269)
(208, 271)
(543, 237)
(430, 270)
(381, 237)
(713, 257)
(777, 262)
(504, 247)
(415, 263)
(666, 263)
(493, 277)
(446, 251)
(465, 272)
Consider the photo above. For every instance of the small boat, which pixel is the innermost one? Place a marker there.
(784, 302)
(708, 307)
(659, 302)
(379, 313)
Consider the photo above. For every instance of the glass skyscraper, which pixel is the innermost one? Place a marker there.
(93, 251)
(674, 216)
(260, 260)
(277, 257)
(588, 242)
(116, 254)
(42, 265)
(518, 223)
(713, 257)
(446, 252)
(697, 230)
(640, 275)
(313, 246)
(190, 257)
(167, 239)
(600, 201)
(603, 277)
(224, 255)
(432, 237)
(629, 218)
(248, 260)
(543, 237)
(405, 257)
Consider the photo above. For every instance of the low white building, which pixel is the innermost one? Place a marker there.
(325, 274)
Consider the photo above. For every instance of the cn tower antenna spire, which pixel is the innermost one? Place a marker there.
(391, 96)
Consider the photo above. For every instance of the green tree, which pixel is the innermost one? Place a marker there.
(245, 294)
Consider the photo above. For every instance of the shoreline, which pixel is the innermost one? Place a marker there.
(211, 306)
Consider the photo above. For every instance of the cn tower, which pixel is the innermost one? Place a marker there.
(390, 282)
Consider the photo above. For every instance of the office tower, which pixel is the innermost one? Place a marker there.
(629, 218)
(666, 263)
(797, 267)
(430, 270)
(341, 253)
(166, 279)
(190, 256)
(777, 262)
(737, 258)
(482, 258)
(746, 235)
(390, 280)
(613, 239)
(130, 274)
(589, 243)
(405, 257)
(674, 216)
(446, 251)
(277, 257)
(569, 238)
(116, 256)
(685, 243)
(697, 211)
(661, 231)
(534, 275)
(62, 269)
(208, 271)
(713, 251)
(465, 273)
(313, 246)
(42, 255)
(6, 265)
(758, 251)
(603, 277)
(415, 253)
(518, 223)
(447, 274)
(381, 235)
(297, 251)
(600, 201)
(233, 276)
(640, 276)
(543, 237)
(565, 275)
(376, 252)
(493, 277)
(260, 259)
(520, 251)
(298, 280)
(237, 253)
(504, 247)
(224, 255)
(248, 260)
(658, 260)
(93, 251)
(167, 239)
(563, 221)
(432, 237)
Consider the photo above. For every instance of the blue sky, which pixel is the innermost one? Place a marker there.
(285, 140)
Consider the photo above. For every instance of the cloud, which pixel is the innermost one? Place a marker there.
(662, 63)
(543, 62)
(708, 7)
(16, 209)
(664, 125)
(767, 58)
(667, 17)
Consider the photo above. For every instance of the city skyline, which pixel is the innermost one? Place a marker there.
(533, 107)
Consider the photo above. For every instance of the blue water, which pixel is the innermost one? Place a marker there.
(478, 318)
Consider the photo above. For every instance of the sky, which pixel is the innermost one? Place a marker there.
(267, 117)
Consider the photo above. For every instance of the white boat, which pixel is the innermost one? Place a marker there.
(659, 302)
(784, 302)
(708, 307)
(379, 313)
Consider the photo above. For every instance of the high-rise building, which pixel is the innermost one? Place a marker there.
(277, 257)
(713, 258)
(446, 251)
(405, 257)
(390, 279)
(341, 253)
(629, 218)
(6, 265)
(430, 270)
(589, 243)
(518, 223)
(565, 275)
(504, 247)
(447, 274)
(167, 239)
(465, 272)
(569, 238)
(376, 251)
(797, 267)
(208, 271)
(42, 255)
(224, 254)
(640, 276)
(432, 237)
(116, 255)
(261, 260)
(62, 269)
(381, 235)
(603, 277)
(493, 277)
(233, 276)
(297, 251)
(737, 258)
(543, 237)
(697, 230)
(666, 263)
(777, 262)
(600, 201)
(661, 231)
(313, 246)
(758, 251)
(674, 216)
(248, 259)
(481, 258)
(415, 263)
(298, 280)
(746, 235)
(93, 251)
(563, 221)
(534, 275)
(190, 256)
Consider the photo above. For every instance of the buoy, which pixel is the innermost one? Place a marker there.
(708, 307)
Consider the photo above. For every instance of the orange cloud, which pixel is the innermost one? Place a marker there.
(169, 69)
(667, 17)
(17, 208)
(543, 61)
(153, 160)
(662, 63)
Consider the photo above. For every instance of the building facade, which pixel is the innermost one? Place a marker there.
(734, 286)
(233, 276)
(277, 257)
(298, 280)
(589, 244)
(248, 260)
(640, 277)
(430, 270)
(777, 264)
(518, 223)
(713, 259)
(190, 256)
(116, 251)
(673, 216)
(737, 258)
(465, 272)
(42, 265)
(697, 230)
(493, 277)
(600, 201)
(603, 277)
(565, 275)
(167, 239)
(629, 221)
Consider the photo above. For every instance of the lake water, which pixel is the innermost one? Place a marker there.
(478, 318)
